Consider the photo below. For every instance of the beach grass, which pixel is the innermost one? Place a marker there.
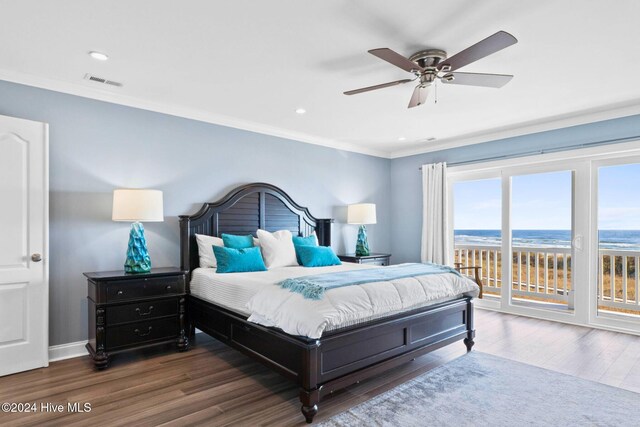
(542, 285)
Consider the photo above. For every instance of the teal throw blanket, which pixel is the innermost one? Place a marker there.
(313, 287)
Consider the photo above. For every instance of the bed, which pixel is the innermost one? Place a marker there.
(340, 356)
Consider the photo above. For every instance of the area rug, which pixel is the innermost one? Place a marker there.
(479, 389)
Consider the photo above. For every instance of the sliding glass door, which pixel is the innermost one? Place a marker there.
(541, 236)
(478, 230)
(557, 237)
(617, 257)
(521, 226)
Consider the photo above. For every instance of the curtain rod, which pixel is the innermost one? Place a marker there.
(547, 151)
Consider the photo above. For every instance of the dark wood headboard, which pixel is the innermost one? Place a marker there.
(245, 210)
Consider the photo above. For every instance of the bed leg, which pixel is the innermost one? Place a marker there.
(190, 324)
(183, 338)
(309, 400)
(469, 340)
(471, 331)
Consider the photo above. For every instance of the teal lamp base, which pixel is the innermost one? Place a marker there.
(362, 246)
(138, 260)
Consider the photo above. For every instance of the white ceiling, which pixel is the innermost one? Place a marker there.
(250, 64)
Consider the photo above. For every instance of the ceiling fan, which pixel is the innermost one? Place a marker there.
(431, 64)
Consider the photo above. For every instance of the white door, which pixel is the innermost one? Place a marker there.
(24, 218)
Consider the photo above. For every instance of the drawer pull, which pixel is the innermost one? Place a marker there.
(144, 314)
(137, 332)
(168, 287)
(120, 293)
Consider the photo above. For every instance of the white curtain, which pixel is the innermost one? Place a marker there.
(435, 229)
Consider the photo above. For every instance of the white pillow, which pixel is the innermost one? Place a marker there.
(205, 250)
(277, 248)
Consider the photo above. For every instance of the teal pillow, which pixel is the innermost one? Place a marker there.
(304, 241)
(232, 260)
(237, 242)
(317, 256)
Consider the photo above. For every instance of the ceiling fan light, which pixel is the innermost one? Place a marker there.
(98, 55)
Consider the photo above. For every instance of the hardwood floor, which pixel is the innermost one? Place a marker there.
(215, 385)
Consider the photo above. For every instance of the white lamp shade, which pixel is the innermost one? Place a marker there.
(361, 213)
(137, 205)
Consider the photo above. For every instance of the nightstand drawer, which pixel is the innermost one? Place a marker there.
(120, 290)
(141, 311)
(141, 332)
(372, 259)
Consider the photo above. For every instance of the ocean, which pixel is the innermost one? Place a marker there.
(609, 239)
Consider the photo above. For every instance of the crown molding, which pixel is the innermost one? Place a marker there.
(609, 112)
(181, 111)
(550, 123)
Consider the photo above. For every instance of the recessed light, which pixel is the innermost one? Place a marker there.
(301, 111)
(98, 55)
(402, 138)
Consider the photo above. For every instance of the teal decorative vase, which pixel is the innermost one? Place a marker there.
(138, 260)
(362, 246)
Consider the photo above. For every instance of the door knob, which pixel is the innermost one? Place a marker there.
(36, 257)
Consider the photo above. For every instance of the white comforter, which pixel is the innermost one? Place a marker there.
(289, 311)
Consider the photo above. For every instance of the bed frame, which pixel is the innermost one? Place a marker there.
(341, 357)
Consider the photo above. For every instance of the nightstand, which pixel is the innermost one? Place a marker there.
(374, 259)
(131, 311)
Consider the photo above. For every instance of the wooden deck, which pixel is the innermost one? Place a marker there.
(214, 385)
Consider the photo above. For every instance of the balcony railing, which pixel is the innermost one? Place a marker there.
(544, 274)
(618, 280)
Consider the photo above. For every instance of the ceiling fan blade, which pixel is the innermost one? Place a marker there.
(486, 47)
(478, 79)
(419, 96)
(396, 59)
(380, 86)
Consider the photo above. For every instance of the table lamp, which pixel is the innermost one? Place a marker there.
(362, 214)
(135, 205)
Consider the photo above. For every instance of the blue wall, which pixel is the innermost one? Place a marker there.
(406, 180)
(97, 146)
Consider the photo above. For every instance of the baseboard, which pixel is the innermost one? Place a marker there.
(72, 349)
(67, 351)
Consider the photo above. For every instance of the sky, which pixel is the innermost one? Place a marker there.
(619, 197)
(543, 201)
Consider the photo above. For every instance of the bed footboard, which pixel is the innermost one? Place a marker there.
(342, 357)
